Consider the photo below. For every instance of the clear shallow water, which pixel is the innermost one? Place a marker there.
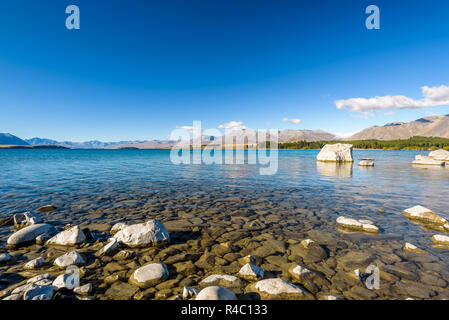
(101, 184)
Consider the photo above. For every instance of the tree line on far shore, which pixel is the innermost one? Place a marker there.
(415, 143)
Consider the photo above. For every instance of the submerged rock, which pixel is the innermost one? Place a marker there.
(222, 280)
(34, 264)
(408, 247)
(29, 234)
(440, 239)
(47, 208)
(278, 289)
(357, 225)
(424, 215)
(216, 293)
(251, 272)
(70, 237)
(5, 257)
(336, 153)
(121, 291)
(149, 275)
(151, 232)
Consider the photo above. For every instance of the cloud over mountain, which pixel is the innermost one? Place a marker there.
(292, 120)
(433, 96)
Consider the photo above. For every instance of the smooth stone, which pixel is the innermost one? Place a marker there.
(440, 239)
(14, 297)
(47, 208)
(251, 272)
(216, 293)
(278, 289)
(356, 225)
(34, 264)
(428, 161)
(408, 247)
(221, 280)
(423, 215)
(109, 248)
(65, 280)
(29, 234)
(40, 293)
(151, 232)
(39, 278)
(84, 290)
(69, 237)
(5, 257)
(366, 163)
(149, 275)
(121, 291)
(68, 259)
(441, 155)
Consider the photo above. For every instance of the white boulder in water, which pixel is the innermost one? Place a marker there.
(424, 215)
(29, 234)
(440, 239)
(339, 152)
(428, 161)
(151, 232)
(366, 162)
(441, 155)
(69, 237)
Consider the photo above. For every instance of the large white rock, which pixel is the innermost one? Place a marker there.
(67, 280)
(68, 259)
(149, 275)
(29, 234)
(336, 153)
(424, 215)
(69, 237)
(151, 232)
(357, 225)
(251, 272)
(428, 161)
(40, 293)
(441, 155)
(216, 293)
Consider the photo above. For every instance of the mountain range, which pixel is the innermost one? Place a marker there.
(432, 126)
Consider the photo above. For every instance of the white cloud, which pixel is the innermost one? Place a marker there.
(294, 121)
(188, 128)
(342, 135)
(433, 96)
(237, 125)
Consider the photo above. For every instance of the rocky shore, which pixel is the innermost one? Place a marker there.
(246, 256)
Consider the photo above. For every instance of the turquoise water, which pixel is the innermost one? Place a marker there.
(99, 184)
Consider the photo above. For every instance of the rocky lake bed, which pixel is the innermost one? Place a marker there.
(314, 231)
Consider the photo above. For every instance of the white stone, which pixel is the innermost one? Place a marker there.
(40, 293)
(34, 264)
(366, 163)
(39, 277)
(69, 237)
(29, 234)
(441, 155)
(68, 259)
(348, 222)
(188, 292)
(440, 239)
(67, 280)
(109, 248)
(359, 225)
(216, 293)
(301, 271)
(5, 257)
(336, 153)
(118, 227)
(84, 290)
(277, 287)
(424, 215)
(251, 271)
(424, 160)
(14, 297)
(143, 234)
(21, 289)
(28, 219)
(410, 246)
(217, 277)
(307, 242)
(149, 275)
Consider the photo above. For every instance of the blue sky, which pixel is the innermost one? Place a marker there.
(137, 69)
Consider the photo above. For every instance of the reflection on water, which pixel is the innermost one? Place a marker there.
(335, 170)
